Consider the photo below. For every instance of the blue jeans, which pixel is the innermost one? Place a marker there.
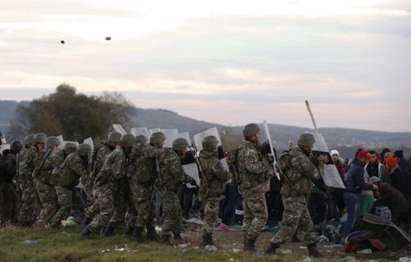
(351, 202)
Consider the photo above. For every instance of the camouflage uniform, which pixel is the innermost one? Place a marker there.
(112, 170)
(213, 179)
(29, 206)
(142, 186)
(297, 185)
(69, 174)
(101, 155)
(46, 192)
(169, 181)
(254, 172)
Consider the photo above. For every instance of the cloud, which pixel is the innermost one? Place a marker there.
(230, 62)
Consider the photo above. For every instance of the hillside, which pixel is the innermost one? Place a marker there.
(153, 118)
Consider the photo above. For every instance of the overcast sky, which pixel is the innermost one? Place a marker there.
(226, 61)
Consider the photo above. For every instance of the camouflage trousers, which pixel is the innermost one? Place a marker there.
(296, 222)
(65, 201)
(141, 198)
(172, 214)
(255, 214)
(121, 202)
(29, 205)
(104, 203)
(48, 200)
(210, 215)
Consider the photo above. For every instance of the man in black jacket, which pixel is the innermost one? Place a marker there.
(8, 197)
(355, 183)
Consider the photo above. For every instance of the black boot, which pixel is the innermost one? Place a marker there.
(85, 222)
(207, 240)
(249, 245)
(129, 231)
(109, 231)
(272, 248)
(313, 251)
(166, 239)
(138, 234)
(86, 232)
(151, 233)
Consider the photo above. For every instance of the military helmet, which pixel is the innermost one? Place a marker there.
(40, 138)
(180, 144)
(70, 147)
(114, 138)
(157, 139)
(251, 130)
(141, 139)
(306, 139)
(128, 140)
(84, 150)
(52, 141)
(210, 143)
(28, 140)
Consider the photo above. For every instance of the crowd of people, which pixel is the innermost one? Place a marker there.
(137, 183)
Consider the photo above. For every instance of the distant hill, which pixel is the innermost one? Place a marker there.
(153, 118)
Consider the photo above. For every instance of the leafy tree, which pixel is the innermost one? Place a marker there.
(73, 115)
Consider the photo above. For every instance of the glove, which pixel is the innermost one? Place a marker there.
(265, 148)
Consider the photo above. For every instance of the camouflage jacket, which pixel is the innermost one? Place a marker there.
(145, 157)
(57, 158)
(213, 176)
(100, 158)
(72, 169)
(298, 178)
(171, 172)
(54, 159)
(29, 161)
(113, 168)
(253, 168)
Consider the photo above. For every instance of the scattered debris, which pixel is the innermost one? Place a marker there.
(404, 259)
(307, 259)
(210, 248)
(365, 251)
(349, 259)
(30, 242)
(185, 245)
(285, 252)
(236, 250)
(69, 222)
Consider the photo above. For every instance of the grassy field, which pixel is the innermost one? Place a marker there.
(66, 245)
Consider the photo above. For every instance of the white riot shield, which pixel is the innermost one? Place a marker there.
(137, 131)
(198, 138)
(191, 170)
(267, 137)
(186, 136)
(320, 145)
(61, 141)
(118, 128)
(331, 176)
(89, 141)
(171, 135)
(154, 130)
(4, 147)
